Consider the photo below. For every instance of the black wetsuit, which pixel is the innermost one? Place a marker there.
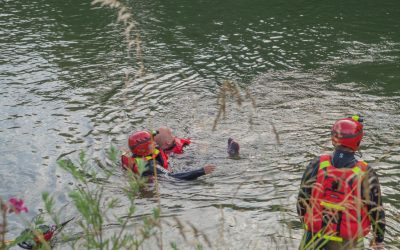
(188, 175)
(345, 159)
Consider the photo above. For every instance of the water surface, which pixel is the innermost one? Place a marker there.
(305, 63)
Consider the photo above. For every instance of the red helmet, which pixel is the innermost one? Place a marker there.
(348, 132)
(141, 143)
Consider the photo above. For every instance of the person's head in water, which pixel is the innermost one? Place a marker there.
(348, 133)
(164, 138)
(141, 143)
(233, 148)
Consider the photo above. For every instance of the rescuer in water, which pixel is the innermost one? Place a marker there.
(144, 152)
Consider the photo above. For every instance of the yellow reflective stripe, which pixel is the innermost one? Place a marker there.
(324, 164)
(355, 118)
(356, 170)
(330, 237)
(155, 152)
(331, 205)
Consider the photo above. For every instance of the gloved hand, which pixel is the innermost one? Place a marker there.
(233, 148)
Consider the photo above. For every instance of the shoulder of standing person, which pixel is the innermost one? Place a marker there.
(311, 170)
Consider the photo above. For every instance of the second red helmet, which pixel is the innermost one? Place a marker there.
(347, 132)
(141, 143)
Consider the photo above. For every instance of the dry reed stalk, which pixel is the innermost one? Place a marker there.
(197, 232)
(229, 89)
(183, 230)
(278, 140)
(221, 229)
(180, 227)
(125, 17)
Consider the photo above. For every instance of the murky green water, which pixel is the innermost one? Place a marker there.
(306, 64)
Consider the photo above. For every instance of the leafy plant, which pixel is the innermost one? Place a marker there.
(95, 207)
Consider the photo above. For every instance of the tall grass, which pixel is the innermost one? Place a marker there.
(227, 90)
(131, 32)
(96, 206)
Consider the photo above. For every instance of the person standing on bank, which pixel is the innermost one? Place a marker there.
(340, 196)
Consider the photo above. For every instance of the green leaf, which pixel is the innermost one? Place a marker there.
(141, 165)
(113, 154)
(199, 247)
(174, 246)
(82, 158)
(156, 212)
(38, 220)
(48, 202)
(68, 166)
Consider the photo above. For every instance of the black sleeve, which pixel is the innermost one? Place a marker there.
(187, 176)
(307, 182)
(373, 197)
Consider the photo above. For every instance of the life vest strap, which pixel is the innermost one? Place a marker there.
(336, 238)
(330, 237)
(332, 205)
(153, 155)
(324, 164)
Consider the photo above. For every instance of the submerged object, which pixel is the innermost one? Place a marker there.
(233, 148)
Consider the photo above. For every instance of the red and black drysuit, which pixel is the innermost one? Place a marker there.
(161, 159)
(345, 160)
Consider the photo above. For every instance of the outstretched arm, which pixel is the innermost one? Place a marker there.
(187, 176)
(194, 174)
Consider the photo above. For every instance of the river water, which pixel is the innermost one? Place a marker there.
(299, 65)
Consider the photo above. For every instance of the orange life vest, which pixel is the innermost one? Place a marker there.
(179, 144)
(337, 210)
(135, 163)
